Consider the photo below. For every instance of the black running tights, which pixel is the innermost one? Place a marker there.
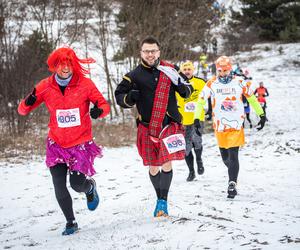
(230, 158)
(78, 182)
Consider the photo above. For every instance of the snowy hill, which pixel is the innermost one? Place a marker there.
(265, 214)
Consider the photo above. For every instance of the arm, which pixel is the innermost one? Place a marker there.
(24, 109)
(183, 90)
(205, 94)
(267, 93)
(122, 91)
(97, 99)
(208, 114)
(255, 105)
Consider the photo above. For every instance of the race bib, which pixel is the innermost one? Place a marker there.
(174, 143)
(68, 117)
(190, 107)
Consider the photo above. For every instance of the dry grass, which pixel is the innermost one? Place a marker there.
(32, 144)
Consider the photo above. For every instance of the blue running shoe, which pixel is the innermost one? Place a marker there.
(156, 208)
(92, 197)
(161, 208)
(71, 227)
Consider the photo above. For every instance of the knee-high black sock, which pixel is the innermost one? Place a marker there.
(156, 183)
(189, 159)
(165, 183)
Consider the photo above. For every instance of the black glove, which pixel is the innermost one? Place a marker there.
(179, 83)
(208, 115)
(197, 125)
(95, 112)
(30, 100)
(133, 96)
(261, 122)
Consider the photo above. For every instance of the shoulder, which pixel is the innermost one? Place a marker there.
(199, 79)
(211, 81)
(131, 75)
(44, 83)
(165, 63)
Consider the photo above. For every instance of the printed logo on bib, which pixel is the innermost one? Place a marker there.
(68, 117)
(174, 143)
(190, 107)
(229, 105)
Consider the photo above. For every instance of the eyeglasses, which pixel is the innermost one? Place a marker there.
(153, 51)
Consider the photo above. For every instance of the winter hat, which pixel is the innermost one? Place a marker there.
(186, 65)
(223, 63)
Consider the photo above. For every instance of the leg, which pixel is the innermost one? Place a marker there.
(197, 142)
(161, 181)
(248, 119)
(199, 161)
(233, 159)
(166, 179)
(189, 159)
(224, 155)
(80, 183)
(230, 158)
(154, 175)
(59, 176)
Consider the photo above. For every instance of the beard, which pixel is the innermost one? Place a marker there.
(156, 62)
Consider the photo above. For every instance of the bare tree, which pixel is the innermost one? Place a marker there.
(11, 29)
(103, 30)
(178, 25)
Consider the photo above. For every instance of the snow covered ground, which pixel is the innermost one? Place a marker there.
(265, 214)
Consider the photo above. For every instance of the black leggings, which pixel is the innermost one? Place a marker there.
(230, 158)
(248, 118)
(189, 159)
(78, 182)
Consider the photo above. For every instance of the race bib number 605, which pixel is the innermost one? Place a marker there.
(68, 117)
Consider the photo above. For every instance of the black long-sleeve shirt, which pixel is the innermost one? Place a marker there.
(145, 79)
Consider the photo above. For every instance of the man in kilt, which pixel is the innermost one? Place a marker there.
(151, 86)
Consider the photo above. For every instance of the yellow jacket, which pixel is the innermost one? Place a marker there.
(187, 106)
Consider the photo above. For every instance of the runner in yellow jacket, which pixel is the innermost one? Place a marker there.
(226, 91)
(186, 107)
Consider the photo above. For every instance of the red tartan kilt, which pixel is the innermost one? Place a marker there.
(156, 154)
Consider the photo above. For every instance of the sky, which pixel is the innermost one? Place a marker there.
(264, 215)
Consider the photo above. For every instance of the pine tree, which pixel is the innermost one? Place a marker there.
(273, 19)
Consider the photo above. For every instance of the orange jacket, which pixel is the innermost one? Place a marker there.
(261, 93)
(77, 96)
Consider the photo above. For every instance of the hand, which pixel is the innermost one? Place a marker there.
(133, 96)
(197, 125)
(95, 112)
(261, 122)
(179, 82)
(30, 100)
(208, 115)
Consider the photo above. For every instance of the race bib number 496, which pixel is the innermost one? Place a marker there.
(174, 143)
(68, 117)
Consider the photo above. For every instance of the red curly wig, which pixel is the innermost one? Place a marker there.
(67, 55)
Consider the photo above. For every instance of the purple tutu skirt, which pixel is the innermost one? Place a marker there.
(78, 158)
